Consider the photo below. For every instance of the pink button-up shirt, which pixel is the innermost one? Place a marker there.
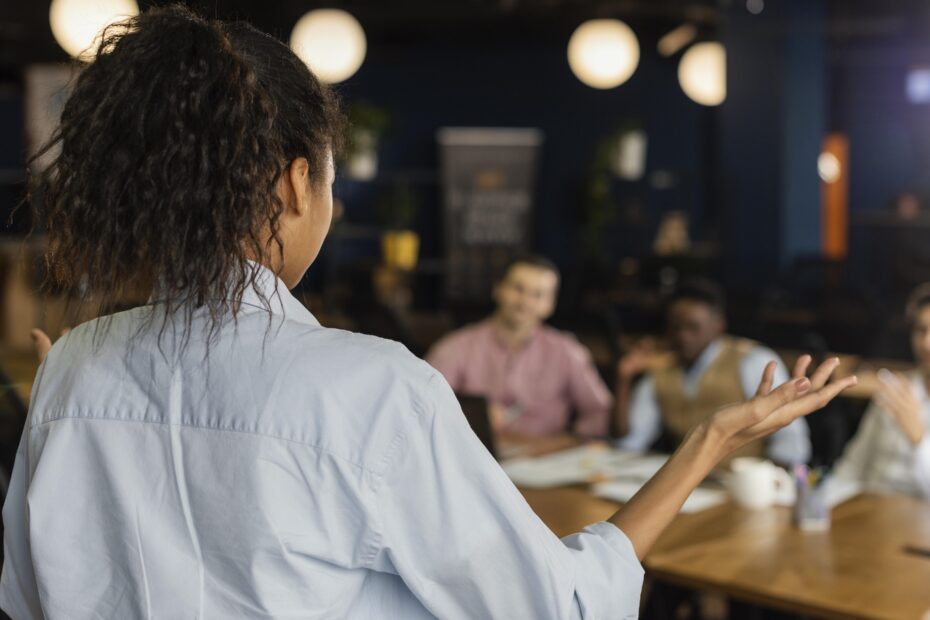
(542, 383)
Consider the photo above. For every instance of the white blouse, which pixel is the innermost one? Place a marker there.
(291, 471)
(882, 458)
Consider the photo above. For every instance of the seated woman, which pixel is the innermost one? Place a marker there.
(890, 452)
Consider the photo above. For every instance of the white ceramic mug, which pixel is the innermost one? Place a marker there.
(754, 483)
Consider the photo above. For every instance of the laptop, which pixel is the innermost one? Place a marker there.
(475, 409)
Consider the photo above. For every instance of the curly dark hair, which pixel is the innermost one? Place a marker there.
(172, 144)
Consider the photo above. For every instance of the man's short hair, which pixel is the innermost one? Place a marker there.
(700, 290)
(533, 260)
(916, 301)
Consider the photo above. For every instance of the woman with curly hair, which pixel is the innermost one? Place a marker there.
(216, 453)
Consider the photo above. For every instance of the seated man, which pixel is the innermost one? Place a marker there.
(710, 370)
(533, 376)
(890, 453)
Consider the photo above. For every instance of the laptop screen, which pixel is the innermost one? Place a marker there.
(475, 409)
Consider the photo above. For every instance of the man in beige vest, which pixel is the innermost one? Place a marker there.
(711, 369)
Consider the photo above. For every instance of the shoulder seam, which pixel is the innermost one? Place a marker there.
(204, 427)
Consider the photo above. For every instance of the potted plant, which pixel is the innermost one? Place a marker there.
(400, 245)
(366, 124)
(621, 154)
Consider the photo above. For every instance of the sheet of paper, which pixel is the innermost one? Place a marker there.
(573, 466)
(640, 467)
(622, 490)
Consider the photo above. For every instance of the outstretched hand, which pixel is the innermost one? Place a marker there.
(897, 397)
(41, 342)
(637, 360)
(773, 409)
(649, 511)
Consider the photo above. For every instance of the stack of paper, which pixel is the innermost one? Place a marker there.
(616, 475)
(622, 490)
(575, 466)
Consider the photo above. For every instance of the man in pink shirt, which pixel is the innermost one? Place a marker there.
(533, 376)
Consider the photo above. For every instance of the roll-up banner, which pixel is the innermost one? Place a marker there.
(488, 185)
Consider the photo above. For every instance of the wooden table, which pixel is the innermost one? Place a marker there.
(858, 569)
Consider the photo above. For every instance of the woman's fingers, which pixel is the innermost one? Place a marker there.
(771, 409)
(823, 372)
(784, 394)
(810, 402)
(800, 366)
(768, 376)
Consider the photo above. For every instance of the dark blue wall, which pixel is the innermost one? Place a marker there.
(523, 81)
(772, 125)
(889, 136)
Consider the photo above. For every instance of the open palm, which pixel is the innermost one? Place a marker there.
(773, 409)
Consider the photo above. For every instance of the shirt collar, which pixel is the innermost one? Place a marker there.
(707, 356)
(280, 300)
(500, 342)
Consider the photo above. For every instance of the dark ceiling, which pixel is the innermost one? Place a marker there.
(25, 37)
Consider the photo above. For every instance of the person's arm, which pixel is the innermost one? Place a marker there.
(447, 356)
(645, 419)
(900, 400)
(630, 366)
(622, 405)
(466, 543)
(650, 511)
(922, 466)
(590, 398)
(860, 452)
(42, 343)
(792, 444)
(19, 592)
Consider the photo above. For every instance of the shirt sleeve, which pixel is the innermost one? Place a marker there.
(859, 454)
(467, 545)
(792, 444)
(19, 594)
(922, 466)
(590, 397)
(645, 417)
(446, 356)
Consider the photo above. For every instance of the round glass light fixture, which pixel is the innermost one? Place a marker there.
(828, 167)
(603, 53)
(331, 42)
(76, 24)
(702, 73)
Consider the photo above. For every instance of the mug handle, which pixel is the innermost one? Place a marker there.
(786, 492)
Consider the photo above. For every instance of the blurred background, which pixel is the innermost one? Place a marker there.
(781, 147)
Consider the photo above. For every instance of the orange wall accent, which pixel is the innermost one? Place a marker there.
(834, 200)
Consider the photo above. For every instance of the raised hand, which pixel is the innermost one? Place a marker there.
(771, 410)
(637, 360)
(897, 397)
(41, 342)
(649, 511)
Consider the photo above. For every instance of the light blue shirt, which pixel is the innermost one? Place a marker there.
(789, 445)
(294, 472)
